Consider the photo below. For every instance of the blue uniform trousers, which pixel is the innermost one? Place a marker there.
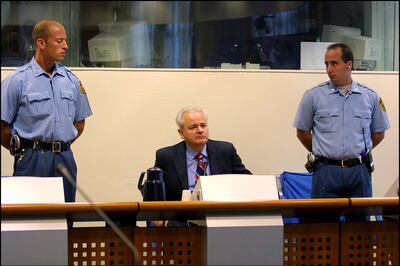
(332, 181)
(43, 164)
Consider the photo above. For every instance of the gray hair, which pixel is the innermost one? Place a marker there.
(195, 109)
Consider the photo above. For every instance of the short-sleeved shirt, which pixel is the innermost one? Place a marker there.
(341, 125)
(43, 107)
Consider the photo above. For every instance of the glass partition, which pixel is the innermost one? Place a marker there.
(200, 34)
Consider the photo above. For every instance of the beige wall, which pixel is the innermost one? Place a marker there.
(134, 112)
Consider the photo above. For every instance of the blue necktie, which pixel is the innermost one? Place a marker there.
(201, 167)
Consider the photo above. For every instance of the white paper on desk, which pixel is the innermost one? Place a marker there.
(32, 189)
(236, 187)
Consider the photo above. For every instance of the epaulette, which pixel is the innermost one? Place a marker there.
(321, 85)
(22, 68)
(19, 70)
(364, 87)
(68, 71)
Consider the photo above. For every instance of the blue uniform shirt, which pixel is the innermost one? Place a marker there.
(341, 125)
(41, 107)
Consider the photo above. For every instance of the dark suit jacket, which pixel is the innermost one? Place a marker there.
(222, 159)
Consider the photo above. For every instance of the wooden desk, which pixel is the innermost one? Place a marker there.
(76, 211)
(304, 244)
(374, 206)
(200, 209)
(151, 210)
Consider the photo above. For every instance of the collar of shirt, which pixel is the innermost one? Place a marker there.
(335, 89)
(38, 70)
(190, 153)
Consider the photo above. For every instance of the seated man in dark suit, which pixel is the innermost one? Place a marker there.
(180, 163)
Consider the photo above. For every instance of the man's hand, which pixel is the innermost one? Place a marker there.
(5, 135)
(80, 125)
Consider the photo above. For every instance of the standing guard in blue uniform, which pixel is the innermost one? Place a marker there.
(340, 121)
(43, 109)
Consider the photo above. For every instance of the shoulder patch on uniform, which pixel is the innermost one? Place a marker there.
(81, 88)
(382, 104)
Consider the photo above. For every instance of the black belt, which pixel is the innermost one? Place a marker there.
(55, 146)
(342, 163)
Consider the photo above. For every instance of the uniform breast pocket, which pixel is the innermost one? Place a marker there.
(327, 120)
(40, 103)
(362, 119)
(68, 100)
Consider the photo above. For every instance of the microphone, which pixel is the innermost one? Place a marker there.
(65, 173)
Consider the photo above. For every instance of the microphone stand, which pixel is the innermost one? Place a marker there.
(64, 171)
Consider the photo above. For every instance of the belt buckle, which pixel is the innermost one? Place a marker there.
(56, 146)
(342, 163)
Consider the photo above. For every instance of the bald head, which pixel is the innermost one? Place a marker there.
(42, 29)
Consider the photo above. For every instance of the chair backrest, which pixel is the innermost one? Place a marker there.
(294, 185)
